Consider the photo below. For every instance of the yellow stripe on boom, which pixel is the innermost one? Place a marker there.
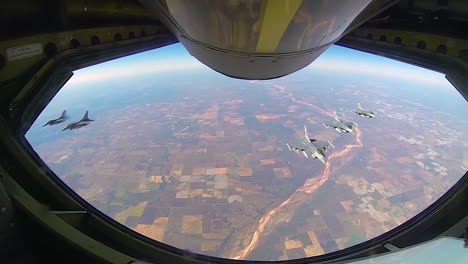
(278, 14)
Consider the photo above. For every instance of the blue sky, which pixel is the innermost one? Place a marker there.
(115, 82)
(175, 57)
(346, 64)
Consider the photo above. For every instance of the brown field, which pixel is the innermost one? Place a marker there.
(192, 224)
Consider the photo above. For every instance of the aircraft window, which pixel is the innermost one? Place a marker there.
(223, 167)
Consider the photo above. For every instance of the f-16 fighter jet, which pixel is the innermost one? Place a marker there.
(83, 122)
(364, 113)
(312, 148)
(59, 120)
(340, 125)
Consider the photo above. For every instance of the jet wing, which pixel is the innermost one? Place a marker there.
(301, 148)
(298, 147)
(323, 146)
(350, 124)
(332, 123)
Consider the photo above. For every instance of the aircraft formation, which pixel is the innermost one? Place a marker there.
(312, 148)
(74, 125)
(309, 147)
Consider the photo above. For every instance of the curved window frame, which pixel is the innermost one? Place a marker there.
(103, 228)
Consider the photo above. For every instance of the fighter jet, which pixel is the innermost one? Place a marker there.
(363, 112)
(340, 125)
(312, 148)
(83, 122)
(59, 120)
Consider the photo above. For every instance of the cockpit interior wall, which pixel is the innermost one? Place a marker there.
(42, 220)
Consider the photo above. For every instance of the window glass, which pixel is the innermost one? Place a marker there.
(223, 167)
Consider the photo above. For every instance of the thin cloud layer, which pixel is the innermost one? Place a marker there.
(382, 70)
(94, 73)
(403, 71)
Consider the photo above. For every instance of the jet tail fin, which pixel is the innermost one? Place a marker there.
(359, 106)
(335, 116)
(85, 117)
(306, 133)
(64, 114)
